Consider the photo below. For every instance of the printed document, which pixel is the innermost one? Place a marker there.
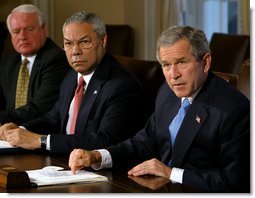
(51, 175)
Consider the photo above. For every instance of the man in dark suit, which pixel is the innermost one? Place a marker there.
(112, 106)
(47, 67)
(211, 149)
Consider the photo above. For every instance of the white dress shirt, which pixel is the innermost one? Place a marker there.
(70, 113)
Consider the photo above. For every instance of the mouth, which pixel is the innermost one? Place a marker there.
(177, 85)
(24, 45)
(78, 62)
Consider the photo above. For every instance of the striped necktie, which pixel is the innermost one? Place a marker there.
(22, 85)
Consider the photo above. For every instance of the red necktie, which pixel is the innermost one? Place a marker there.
(77, 102)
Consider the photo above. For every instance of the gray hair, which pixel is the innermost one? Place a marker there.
(27, 8)
(88, 17)
(196, 38)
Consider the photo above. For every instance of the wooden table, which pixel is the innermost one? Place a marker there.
(118, 181)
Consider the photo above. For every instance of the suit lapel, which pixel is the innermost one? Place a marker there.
(67, 95)
(37, 65)
(192, 122)
(14, 73)
(35, 69)
(34, 74)
(92, 92)
(170, 110)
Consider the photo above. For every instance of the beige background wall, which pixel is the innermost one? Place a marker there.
(6, 6)
(112, 11)
(65, 8)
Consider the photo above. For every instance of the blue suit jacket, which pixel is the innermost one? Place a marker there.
(112, 110)
(212, 145)
(49, 69)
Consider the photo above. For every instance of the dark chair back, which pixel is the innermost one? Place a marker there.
(243, 84)
(3, 36)
(120, 40)
(150, 75)
(229, 52)
(230, 78)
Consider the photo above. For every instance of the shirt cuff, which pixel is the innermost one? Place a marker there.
(106, 160)
(22, 127)
(48, 143)
(176, 175)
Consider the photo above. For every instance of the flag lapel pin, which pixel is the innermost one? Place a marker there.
(198, 119)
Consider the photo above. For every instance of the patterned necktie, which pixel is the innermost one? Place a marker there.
(177, 121)
(78, 97)
(22, 84)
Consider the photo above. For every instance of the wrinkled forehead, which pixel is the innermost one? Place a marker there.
(19, 18)
(76, 31)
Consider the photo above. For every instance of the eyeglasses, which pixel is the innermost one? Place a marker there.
(83, 44)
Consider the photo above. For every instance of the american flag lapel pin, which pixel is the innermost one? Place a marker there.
(95, 92)
(198, 119)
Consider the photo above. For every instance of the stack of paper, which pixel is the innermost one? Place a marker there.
(52, 176)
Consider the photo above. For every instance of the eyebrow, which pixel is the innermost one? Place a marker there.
(84, 37)
(176, 60)
(181, 58)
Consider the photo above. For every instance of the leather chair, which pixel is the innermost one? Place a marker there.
(5, 40)
(230, 78)
(150, 75)
(229, 52)
(120, 40)
(3, 37)
(243, 84)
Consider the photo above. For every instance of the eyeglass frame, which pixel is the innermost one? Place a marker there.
(83, 43)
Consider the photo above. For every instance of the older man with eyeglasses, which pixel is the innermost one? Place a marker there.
(100, 102)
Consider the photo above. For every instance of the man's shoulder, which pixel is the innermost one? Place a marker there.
(10, 58)
(110, 67)
(222, 94)
(52, 52)
(51, 48)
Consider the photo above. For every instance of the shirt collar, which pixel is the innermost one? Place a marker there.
(86, 77)
(30, 58)
(191, 98)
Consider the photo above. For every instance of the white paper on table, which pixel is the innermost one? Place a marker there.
(5, 145)
(51, 176)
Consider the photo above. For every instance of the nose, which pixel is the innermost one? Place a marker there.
(174, 72)
(76, 49)
(23, 34)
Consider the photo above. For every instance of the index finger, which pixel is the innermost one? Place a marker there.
(74, 160)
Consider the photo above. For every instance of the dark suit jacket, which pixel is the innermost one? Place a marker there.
(49, 68)
(212, 145)
(111, 111)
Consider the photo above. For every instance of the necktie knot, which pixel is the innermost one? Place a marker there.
(80, 87)
(25, 62)
(81, 81)
(185, 104)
